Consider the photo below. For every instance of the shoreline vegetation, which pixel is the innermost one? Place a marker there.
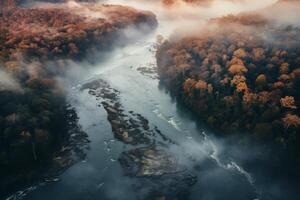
(40, 134)
(243, 68)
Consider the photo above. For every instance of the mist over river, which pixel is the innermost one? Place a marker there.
(217, 168)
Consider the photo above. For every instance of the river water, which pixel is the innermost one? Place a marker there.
(100, 175)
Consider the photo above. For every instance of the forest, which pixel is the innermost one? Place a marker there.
(243, 68)
(36, 121)
(158, 100)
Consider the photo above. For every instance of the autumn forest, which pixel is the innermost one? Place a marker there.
(149, 100)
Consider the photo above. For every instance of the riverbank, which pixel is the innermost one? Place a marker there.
(242, 68)
(40, 130)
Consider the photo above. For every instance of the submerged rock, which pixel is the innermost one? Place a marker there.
(158, 172)
(143, 162)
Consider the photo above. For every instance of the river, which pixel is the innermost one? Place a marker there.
(100, 175)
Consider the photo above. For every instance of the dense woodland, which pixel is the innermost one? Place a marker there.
(242, 76)
(33, 125)
(35, 118)
(55, 32)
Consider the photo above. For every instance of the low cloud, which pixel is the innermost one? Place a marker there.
(8, 83)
